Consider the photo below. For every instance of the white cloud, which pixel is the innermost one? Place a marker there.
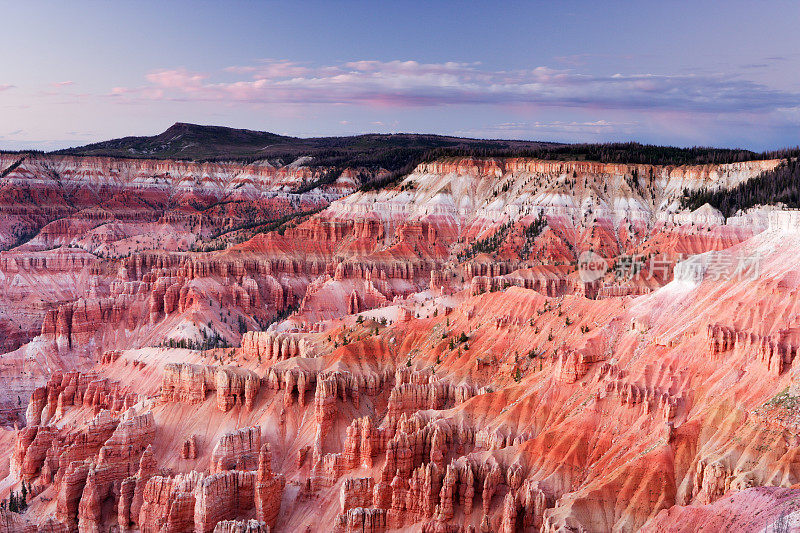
(410, 83)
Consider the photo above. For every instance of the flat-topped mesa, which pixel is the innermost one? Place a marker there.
(414, 397)
(409, 269)
(545, 282)
(488, 192)
(619, 290)
(483, 268)
(262, 279)
(75, 323)
(189, 383)
(339, 384)
(186, 383)
(154, 177)
(416, 231)
(237, 450)
(348, 384)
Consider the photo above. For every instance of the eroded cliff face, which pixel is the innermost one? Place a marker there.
(80, 200)
(486, 191)
(384, 373)
(62, 215)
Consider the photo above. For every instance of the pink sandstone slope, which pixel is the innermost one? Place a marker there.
(370, 368)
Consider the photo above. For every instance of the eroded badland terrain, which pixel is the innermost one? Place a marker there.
(236, 346)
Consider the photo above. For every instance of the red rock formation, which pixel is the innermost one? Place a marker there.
(560, 412)
(74, 388)
(241, 526)
(222, 496)
(360, 520)
(190, 383)
(189, 448)
(15, 523)
(30, 450)
(269, 346)
(325, 403)
(133, 489)
(237, 450)
(269, 488)
(70, 491)
(356, 492)
(185, 383)
(168, 504)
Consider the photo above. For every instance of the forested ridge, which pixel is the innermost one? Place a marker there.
(780, 185)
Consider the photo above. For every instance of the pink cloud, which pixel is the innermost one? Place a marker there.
(411, 83)
(180, 79)
(272, 68)
(58, 84)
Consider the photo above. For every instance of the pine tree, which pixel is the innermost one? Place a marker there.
(23, 503)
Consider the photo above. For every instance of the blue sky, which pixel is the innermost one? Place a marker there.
(683, 73)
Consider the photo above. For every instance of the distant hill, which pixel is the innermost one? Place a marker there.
(185, 141)
(396, 153)
(208, 143)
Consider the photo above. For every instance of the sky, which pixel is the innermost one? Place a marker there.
(668, 72)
